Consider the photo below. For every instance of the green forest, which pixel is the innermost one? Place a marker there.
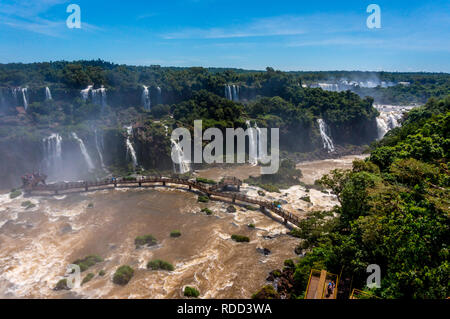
(394, 212)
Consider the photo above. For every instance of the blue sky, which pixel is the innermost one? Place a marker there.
(287, 35)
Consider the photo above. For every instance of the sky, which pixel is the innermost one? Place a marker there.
(286, 35)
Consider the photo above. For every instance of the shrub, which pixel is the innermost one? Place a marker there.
(251, 225)
(203, 199)
(289, 263)
(159, 264)
(147, 240)
(88, 261)
(90, 205)
(15, 194)
(101, 273)
(175, 233)
(26, 203)
(261, 193)
(207, 211)
(206, 181)
(191, 292)
(88, 278)
(62, 285)
(266, 292)
(240, 238)
(270, 188)
(250, 207)
(306, 199)
(123, 275)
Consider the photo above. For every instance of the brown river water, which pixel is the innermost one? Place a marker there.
(37, 244)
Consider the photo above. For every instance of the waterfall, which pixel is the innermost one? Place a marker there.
(24, 95)
(260, 142)
(253, 144)
(130, 149)
(85, 92)
(99, 151)
(146, 98)
(184, 165)
(48, 94)
(329, 87)
(326, 139)
(99, 96)
(232, 92)
(235, 96)
(14, 93)
(84, 151)
(387, 121)
(159, 97)
(53, 153)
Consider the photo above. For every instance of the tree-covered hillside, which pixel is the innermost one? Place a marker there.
(394, 212)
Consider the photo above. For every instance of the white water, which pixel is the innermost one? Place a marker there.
(53, 153)
(130, 149)
(99, 151)
(253, 144)
(327, 141)
(85, 93)
(232, 92)
(159, 99)
(389, 118)
(48, 93)
(329, 87)
(84, 151)
(184, 165)
(260, 142)
(99, 96)
(146, 98)
(25, 100)
(14, 93)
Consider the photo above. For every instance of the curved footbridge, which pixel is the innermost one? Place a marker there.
(210, 191)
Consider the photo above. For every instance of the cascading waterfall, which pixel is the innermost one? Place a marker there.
(326, 139)
(260, 142)
(387, 121)
(99, 151)
(48, 94)
(232, 92)
(85, 93)
(131, 153)
(25, 100)
(146, 98)
(159, 97)
(99, 96)
(253, 144)
(235, 93)
(184, 165)
(329, 87)
(84, 152)
(53, 153)
(14, 94)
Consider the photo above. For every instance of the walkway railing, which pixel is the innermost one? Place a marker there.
(139, 182)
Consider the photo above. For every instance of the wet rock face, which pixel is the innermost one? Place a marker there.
(67, 228)
(264, 251)
(231, 209)
(283, 281)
